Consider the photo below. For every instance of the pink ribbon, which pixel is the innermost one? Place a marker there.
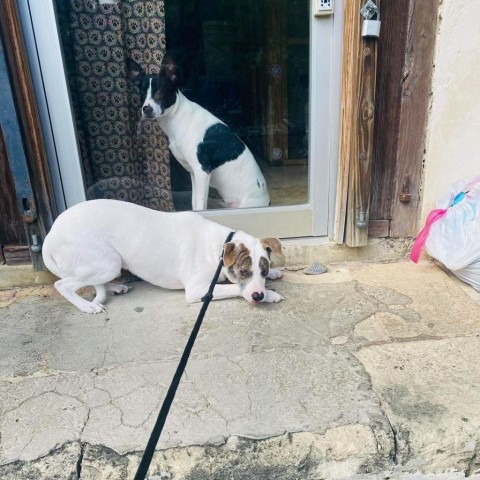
(433, 216)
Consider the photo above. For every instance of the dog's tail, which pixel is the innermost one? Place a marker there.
(49, 259)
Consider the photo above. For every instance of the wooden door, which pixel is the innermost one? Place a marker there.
(405, 63)
(13, 240)
(381, 168)
(29, 185)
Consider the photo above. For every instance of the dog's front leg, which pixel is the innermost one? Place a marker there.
(194, 190)
(200, 185)
(195, 293)
(274, 274)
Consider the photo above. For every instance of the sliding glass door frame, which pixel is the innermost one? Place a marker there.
(314, 218)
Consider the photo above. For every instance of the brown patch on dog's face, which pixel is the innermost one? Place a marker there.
(238, 260)
(229, 254)
(274, 250)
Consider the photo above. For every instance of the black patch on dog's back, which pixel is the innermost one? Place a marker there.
(219, 145)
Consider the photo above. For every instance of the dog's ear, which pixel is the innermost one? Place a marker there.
(135, 71)
(229, 254)
(169, 68)
(274, 250)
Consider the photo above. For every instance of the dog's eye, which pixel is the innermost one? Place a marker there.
(245, 273)
(264, 272)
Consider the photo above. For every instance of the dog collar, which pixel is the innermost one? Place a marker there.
(229, 237)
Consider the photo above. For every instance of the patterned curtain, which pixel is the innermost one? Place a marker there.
(123, 157)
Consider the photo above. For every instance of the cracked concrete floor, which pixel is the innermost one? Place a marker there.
(369, 371)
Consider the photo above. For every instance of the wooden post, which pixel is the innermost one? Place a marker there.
(356, 136)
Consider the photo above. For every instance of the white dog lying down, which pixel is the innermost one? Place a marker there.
(90, 242)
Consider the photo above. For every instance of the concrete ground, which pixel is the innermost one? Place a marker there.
(369, 371)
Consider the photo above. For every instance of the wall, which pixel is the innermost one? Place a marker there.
(453, 138)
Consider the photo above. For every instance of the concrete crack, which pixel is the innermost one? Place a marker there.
(208, 404)
(54, 392)
(28, 399)
(109, 346)
(395, 439)
(472, 465)
(80, 461)
(396, 452)
(85, 423)
(104, 391)
(155, 411)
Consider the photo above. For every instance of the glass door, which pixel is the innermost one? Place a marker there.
(164, 100)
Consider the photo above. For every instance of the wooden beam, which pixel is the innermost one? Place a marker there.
(422, 26)
(16, 255)
(356, 135)
(350, 54)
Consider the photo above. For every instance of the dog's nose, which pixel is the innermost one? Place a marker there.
(257, 296)
(147, 109)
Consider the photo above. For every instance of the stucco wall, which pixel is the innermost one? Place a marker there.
(453, 132)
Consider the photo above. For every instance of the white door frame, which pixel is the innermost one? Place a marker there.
(312, 219)
(51, 91)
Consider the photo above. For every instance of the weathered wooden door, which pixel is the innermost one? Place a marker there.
(405, 63)
(13, 240)
(26, 196)
(384, 112)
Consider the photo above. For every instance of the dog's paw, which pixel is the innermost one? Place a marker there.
(272, 297)
(274, 274)
(118, 289)
(93, 307)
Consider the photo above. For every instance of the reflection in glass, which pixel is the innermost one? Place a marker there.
(245, 62)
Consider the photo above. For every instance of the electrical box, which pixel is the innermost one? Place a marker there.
(322, 7)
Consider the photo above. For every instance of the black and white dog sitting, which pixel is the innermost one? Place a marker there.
(207, 148)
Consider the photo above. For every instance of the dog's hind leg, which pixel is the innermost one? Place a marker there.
(68, 286)
(101, 295)
(101, 266)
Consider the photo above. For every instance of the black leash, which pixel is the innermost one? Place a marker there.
(167, 403)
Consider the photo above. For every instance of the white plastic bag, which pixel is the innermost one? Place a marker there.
(452, 232)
